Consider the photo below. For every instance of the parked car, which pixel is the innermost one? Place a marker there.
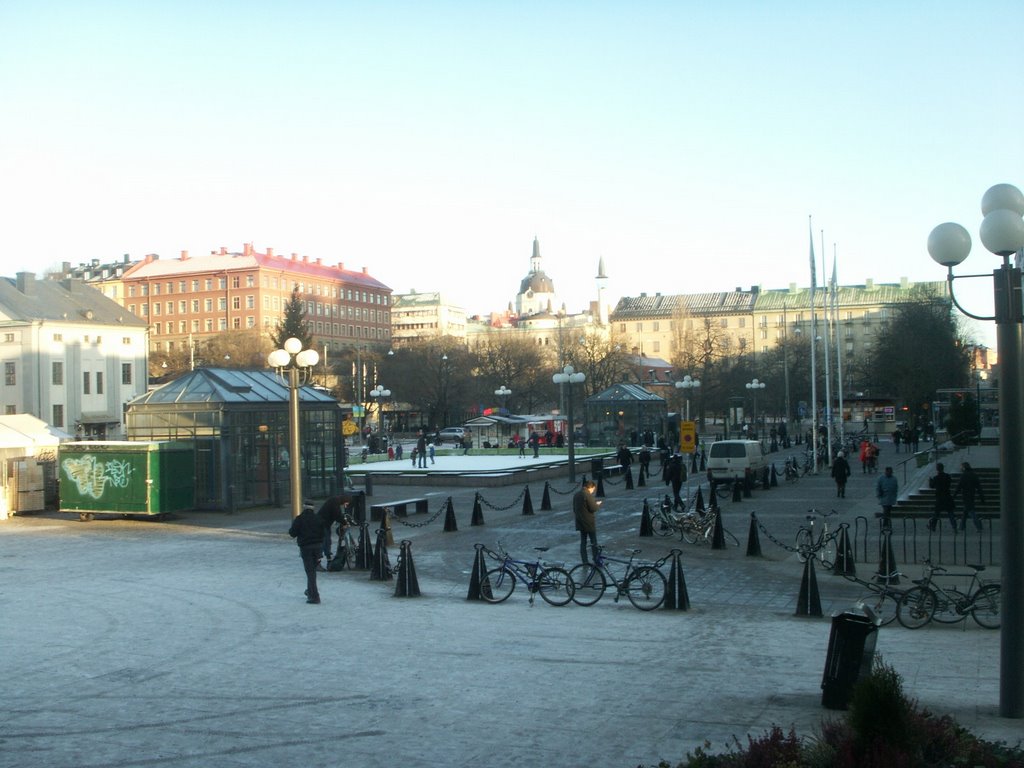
(451, 435)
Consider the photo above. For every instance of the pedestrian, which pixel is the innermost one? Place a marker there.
(398, 452)
(864, 445)
(942, 483)
(308, 532)
(840, 473)
(332, 511)
(624, 457)
(421, 449)
(674, 474)
(584, 509)
(535, 444)
(645, 460)
(969, 486)
(412, 453)
(897, 435)
(467, 443)
(430, 452)
(886, 490)
(521, 442)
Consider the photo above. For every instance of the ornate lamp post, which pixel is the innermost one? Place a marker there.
(570, 376)
(1002, 233)
(502, 393)
(687, 384)
(299, 363)
(379, 394)
(754, 386)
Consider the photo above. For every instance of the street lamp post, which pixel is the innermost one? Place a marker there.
(687, 384)
(1002, 233)
(502, 393)
(299, 363)
(445, 373)
(379, 394)
(755, 386)
(569, 376)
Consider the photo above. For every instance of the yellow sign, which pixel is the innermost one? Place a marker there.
(687, 436)
(349, 428)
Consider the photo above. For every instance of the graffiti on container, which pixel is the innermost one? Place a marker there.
(92, 476)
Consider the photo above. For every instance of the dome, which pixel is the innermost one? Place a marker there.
(537, 282)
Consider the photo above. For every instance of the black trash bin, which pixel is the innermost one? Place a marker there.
(596, 468)
(358, 506)
(851, 650)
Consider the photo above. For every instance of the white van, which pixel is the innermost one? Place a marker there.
(732, 458)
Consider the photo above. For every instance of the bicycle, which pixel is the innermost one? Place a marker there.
(346, 554)
(692, 526)
(823, 546)
(552, 582)
(882, 598)
(948, 605)
(642, 583)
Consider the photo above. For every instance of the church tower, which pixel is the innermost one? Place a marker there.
(536, 291)
(602, 283)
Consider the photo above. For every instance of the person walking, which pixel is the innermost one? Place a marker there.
(308, 531)
(674, 474)
(969, 486)
(625, 457)
(943, 484)
(584, 509)
(840, 473)
(535, 444)
(430, 452)
(421, 450)
(886, 490)
(864, 445)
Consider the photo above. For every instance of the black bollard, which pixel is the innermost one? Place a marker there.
(364, 550)
(450, 524)
(600, 485)
(380, 569)
(808, 603)
(478, 513)
(477, 576)
(368, 484)
(718, 534)
(545, 501)
(775, 477)
(844, 565)
(629, 479)
(753, 539)
(677, 598)
(699, 503)
(641, 477)
(737, 489)
(527, 502)
(646, 528)
(887, 562)
(407, 585)
(712, 496)
(748, 483)
(766, 479)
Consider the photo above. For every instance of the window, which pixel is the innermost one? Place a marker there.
(182, 307)
(58, 416)
(10, 410)
(656, 328)
(156, 289)
(181, 286)
(58, 337)
(250, 281)
(99, 382)
(208, 284)
(86, 383)
(10, 374)
(236, 322)
(126, 373)
(57, 374)
(195, 286)
(223, 324)
(236, 281)
(222, 303)
(195, 305)
(250, 302)
(236, 302)
(222, 283)
(208, 305)
(131, 291)
(743, 322)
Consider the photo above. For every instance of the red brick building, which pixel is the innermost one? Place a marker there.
(190, 298)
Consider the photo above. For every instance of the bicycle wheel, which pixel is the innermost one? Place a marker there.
(804, 544)
(555, 586)
(661, 526)
(689, 531)
(946, 605)
(883, 604)
(987, 605)
(827, 551)
(497, 584)
(589, 584)
(916, 608)
(645, 588)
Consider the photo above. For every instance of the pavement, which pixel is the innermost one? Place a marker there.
(188, 642)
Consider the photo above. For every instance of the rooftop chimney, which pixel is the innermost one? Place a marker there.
(319, 261)
(247, 249)
(223, 251)
(184, 255)
(341, 266)
(270, 251)
(26, 282)
(366, 271)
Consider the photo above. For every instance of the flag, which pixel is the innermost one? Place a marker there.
(833, 282)
(814, 275)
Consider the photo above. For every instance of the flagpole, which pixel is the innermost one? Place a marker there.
(814, 364)
(839, 348)
(828, 362)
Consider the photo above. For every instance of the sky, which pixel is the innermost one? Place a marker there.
(694, 146)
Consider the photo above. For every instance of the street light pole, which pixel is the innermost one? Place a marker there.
(1002, 233)
(688, 383)
(503, 394)
(754, 386)
(299, 363)
(569, 376)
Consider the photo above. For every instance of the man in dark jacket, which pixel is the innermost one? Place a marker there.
(942, 483)
(840, 473)
(969, 486)
(308, 532)
(333, 511)
(584, 509)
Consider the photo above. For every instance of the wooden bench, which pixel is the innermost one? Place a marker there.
(399, 508)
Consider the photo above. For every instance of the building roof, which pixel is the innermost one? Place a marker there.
(155, 267)
(228, 385)
(662, 305)
(621, 392)
(26, 299)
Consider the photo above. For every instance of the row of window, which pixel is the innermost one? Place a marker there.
(207, 284)
(9, 338)
(57, 376)
(270, 303)
(795, 318)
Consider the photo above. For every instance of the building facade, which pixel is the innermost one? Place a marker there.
(186, 299)
(425, 315)
(71, 356)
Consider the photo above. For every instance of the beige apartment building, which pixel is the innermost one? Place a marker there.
(417, 315)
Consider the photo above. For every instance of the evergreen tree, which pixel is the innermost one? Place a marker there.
(294, 323)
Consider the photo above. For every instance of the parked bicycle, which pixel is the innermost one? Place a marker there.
(691, 526)
(882, 597)
(947, 604)
(821, 545)
(552, 582)
(346, 554)
(642, 583)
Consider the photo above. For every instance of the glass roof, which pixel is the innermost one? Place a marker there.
(229, 385)
(625, 392)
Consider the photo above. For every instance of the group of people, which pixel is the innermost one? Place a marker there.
(968, 488)
(312, 532)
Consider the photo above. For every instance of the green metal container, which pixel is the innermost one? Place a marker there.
(126, 478)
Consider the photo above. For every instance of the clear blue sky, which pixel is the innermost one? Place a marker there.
(685, 142)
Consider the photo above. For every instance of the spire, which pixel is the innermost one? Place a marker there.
(600, 269)
(535, 258)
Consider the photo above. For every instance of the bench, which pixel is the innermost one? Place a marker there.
(400, 508)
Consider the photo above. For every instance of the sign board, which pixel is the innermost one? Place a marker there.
(349, 428)
(687, 436)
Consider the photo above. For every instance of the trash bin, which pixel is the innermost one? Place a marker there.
(851, 650)
(358, 506)
(597, 468)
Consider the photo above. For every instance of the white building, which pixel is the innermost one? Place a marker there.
(69, 355)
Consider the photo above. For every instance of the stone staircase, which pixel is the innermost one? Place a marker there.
(921, 503)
